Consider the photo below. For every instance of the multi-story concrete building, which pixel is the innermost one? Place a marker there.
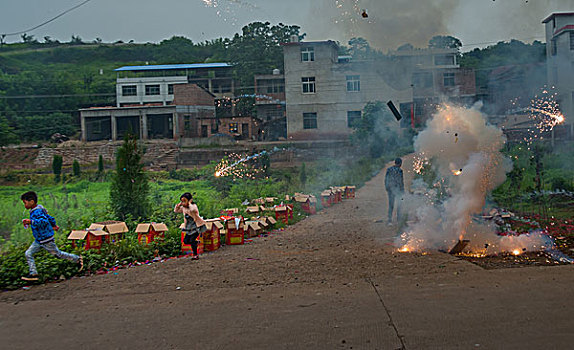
(154, 120)
(435, 75)
(325, 93)
(560, 61)
(138, 85)
(169, 102)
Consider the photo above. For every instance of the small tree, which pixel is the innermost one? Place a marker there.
(76, 168)
(129, 191)
(57, 167)
(100, 164)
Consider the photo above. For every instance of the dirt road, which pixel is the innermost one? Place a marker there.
(333, 281)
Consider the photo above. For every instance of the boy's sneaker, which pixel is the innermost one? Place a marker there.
(30, 277)
(195, 257)
(81, 262)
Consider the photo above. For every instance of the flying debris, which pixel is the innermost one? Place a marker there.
(364, 13)
(394, 110)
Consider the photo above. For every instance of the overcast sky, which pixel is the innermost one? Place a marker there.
(389, 24)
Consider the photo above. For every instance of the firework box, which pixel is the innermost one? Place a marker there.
(259, 201)
(252, 210)
(115, 229)
(253, 228)
(212, 236)
(308, 202)
(326, 198)
(263, 223)
(186, 248)
(270, 200)
(282, 213)
(235, 231)
(350, 192)
(337, 194)
(230, 211)
(459, 246)
(147, 233)
(93, 238)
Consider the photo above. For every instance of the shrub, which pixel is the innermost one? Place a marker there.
(76, 168)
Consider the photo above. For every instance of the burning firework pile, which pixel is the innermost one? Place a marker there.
(464, 153)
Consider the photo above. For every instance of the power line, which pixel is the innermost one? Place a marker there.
(46, 22)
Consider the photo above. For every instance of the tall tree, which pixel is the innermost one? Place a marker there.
(444, 42)
(129, 191)
(257, 50)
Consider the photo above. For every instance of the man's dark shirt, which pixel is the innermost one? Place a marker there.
(394, 179)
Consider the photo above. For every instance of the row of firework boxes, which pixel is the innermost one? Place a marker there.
(112, 231)
(231, 230)
(282, 212)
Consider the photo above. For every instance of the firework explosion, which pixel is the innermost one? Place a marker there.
(463, 151)
(545, 113)
(236, 166)
(226, 8)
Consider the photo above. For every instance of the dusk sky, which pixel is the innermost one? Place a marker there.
(390, 23)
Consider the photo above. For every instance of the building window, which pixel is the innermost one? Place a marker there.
(234, 128)
(129, 90)
(309, 120)
(572, 41)
(170, 89)
(444, 60)
(308, 85)
(353, 83)
(352, 118)
(152, 90)
(245, 129)
(448, 79)
(307, 54)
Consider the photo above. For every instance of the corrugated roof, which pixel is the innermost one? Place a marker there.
(172, 66)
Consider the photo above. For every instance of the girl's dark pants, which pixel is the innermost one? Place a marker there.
(193, 242)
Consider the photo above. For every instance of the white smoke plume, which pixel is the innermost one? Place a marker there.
(464, 151)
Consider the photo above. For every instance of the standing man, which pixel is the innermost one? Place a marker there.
(395, 187)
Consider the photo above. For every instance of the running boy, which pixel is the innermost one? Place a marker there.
(43, 227)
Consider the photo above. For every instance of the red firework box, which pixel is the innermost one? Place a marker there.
(212, 236)
(308, 203)
(282, 213)
(114, 229)
(147, 233)
(337, 194)
(89, 239)
(186, 248)
(229, 211)
(235, 231)
(350, 192)
(326, 198)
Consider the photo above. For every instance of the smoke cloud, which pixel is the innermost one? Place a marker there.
(464, 151)
(391, 23)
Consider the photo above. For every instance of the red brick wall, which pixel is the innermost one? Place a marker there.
(191, 95)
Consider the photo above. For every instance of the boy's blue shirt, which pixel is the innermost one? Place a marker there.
(41, 223)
